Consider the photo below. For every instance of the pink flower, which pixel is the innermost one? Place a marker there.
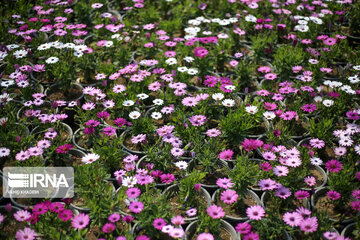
(26, 234)
(114, 217)
(309, 224)
(215, 212)
(302, 194)
(80, 221)
(177, 220)
(292, 219)
(255, 212)
(229, 196)
(205, 236)
(224, 183)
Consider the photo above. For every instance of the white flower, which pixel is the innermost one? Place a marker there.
(156, 115)
(357, 67)
(192, 30)
(7, 83)
(301, 28)
(12, 46)
(90, 158)
(250, 18)
(189, 59)
(134, 115)
(230, 87)
(269, 115)
(129, 181)
(328, 102)
(192, 71)
(69, 45)
(224, 22)
(318, 99)
(128, 103)
(182, 165)
(109, 43)
(182, 69)
(217, 96)
(20, 53)
(80, 48)
(142, 96)
(44, 46)
(158, 102)
(171, 61)
(194, 22)
(302, 22)
(52, 60)
(228, 102)
(251, 109)
(316, 161)
(3, 55)
(354, 79)
(207, 32)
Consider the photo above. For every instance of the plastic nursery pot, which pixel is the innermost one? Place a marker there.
(10, 225)
(136, 229)
(227, 231)
(83, 208)
(233, 219)
(265, 196)
(78, 134)
(20, 114)
(210, 187)
(320, 175)
(67, 134)
(173, 190)
(320, 195)
(124, 136)
(348, 231)
(75, 92)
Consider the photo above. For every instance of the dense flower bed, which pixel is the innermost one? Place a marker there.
(183, 119)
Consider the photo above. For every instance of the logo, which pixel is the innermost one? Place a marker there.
(38, 182)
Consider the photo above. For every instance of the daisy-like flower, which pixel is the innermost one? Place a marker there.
(215, 212)
(255, 212)
(292, 219)
(267, 184)
(228, 102)
(309, 224)
(316, 161)
(159, 223)
(4, 152)
(22, 215)
(333, 195)
(333, 166)
(177, 233)
(52, 60)
(128, 103)
(224, 183)
(281, 171)
(26, 234)
(136, 207)
(134, 114)
(269, 115)
(229, 196)
(177, 152)
(205, 236)
(302, 194)
(251, 109)
(156, 115)
(217, 96)
(182, 165)
(90, 158)
(283, 192)
(158, 102)
(317, 143)
(213, 132)
(80, 221)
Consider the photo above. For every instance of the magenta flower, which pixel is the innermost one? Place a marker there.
(197, 120)
(136, 207)
(252, 236)
(333, 195)
(109, 131)
(215, 212)
(167, 178)
(251, 144)
(133, 192)
(243, 228)
(302, 194)
(80, 221)
(224, 183)
(108, 227)
(267, 184)
(333, 166)
(226, 154)
(64, 148)
(159, 223)
(255, 212)
(309, 108)
(200, 52)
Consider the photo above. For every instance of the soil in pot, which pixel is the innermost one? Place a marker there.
(323, 204)
(238, 209)
(318, 176)
(224, 234)
(177, 206)
(137, 147)
(69, 94)
(9, 226)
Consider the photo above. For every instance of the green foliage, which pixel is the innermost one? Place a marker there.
(187, 191)
(286, 57)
